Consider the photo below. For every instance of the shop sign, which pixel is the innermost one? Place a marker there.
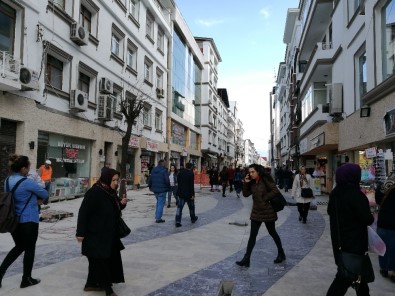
(70, 153)
(317, 141)
(184, 152)
(134, 142)
(152, 146)
(371, 152)
(389, 122)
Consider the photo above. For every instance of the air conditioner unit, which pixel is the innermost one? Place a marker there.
(160, 92)
(105, 110)
(78, 34)
(336, 99)
(29, 79)
(78, 100)
(106, 86)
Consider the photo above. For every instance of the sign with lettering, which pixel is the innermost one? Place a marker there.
(152, 146)
(134, 142)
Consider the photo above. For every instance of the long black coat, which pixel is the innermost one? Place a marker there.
(98, 220)
(186, 184)
(353, 213)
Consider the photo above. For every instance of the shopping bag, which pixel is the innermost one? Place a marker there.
(376, 244)
(313, 205)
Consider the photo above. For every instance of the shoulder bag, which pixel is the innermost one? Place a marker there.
(124, 229)
(353, 267)
(278, 202)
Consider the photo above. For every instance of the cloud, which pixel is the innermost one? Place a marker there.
(209, 23)
(265, 13)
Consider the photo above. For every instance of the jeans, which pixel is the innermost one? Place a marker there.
(173, 190)
(160, 203)
(271, 228)
(191, 206)
(340, 286)
(25, 238)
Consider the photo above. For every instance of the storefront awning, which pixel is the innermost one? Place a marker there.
(211, 155)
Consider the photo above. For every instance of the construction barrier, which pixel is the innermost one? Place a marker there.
(202, 179)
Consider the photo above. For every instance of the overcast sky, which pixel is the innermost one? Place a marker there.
(249, 38)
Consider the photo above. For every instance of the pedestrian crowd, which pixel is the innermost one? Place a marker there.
(100, 226)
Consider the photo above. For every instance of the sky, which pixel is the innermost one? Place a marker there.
(249, 38)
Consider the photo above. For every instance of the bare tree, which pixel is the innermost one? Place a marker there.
(131, 108)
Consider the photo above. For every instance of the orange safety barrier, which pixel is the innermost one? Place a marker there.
(202, 179)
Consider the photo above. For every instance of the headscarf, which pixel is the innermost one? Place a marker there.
(106, 178)
(348, 173)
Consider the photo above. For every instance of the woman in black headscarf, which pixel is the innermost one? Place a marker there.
(97, 229)
(349, 213)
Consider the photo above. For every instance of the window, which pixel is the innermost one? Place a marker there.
(134, 9)
(8, 19)
(83, 82)
(147, 116)
(388, 38)
(115, 44)
(59, 3)
(161, 40)
(362, 74)
(131, 57)
(149, 29)
(147, 70)
(117, 39)
(86, 18)
(159, 78)
(117, 98)
(158, 120)
(54, 74)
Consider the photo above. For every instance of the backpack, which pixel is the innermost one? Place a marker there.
(8, 217)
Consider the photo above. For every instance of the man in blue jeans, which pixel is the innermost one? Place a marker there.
(159, 184)
(186, 194)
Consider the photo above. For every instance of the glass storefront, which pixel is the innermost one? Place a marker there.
(71, 162)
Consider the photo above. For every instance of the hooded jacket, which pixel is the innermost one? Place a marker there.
(159, 180)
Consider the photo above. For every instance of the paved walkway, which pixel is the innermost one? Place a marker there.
(160, 259)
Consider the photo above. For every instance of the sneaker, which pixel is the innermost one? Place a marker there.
(160, 221)
(178, 225)
(194, 219)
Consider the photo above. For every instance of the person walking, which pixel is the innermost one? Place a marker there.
(349, 213)
(261, 186)
(386, 226)
(302, 180)
(186, 194)
(97, 224)
(173, 185)
(26, 197)
(223, 178)
(45, 173)
(231, 175)
(238, 181)
(159, 184)
(214, 182)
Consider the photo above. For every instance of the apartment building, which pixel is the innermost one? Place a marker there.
(65, 67)
(239, 143)
(338, 74)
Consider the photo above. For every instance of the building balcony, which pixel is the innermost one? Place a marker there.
(315, 26)
(315, 119)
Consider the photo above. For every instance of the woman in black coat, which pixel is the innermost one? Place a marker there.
(349, 211)
(97, 229)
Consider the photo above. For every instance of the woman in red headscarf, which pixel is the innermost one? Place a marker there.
(97, 229)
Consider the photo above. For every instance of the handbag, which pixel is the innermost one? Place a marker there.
(278, 202)
(306, 192)
(124, 229)
(353, 267)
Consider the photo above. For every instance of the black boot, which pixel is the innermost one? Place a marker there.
(29, 281)
(244, 262)
(280, 257)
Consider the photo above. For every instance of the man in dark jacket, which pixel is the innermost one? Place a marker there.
(159, 184)
(186, 194)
